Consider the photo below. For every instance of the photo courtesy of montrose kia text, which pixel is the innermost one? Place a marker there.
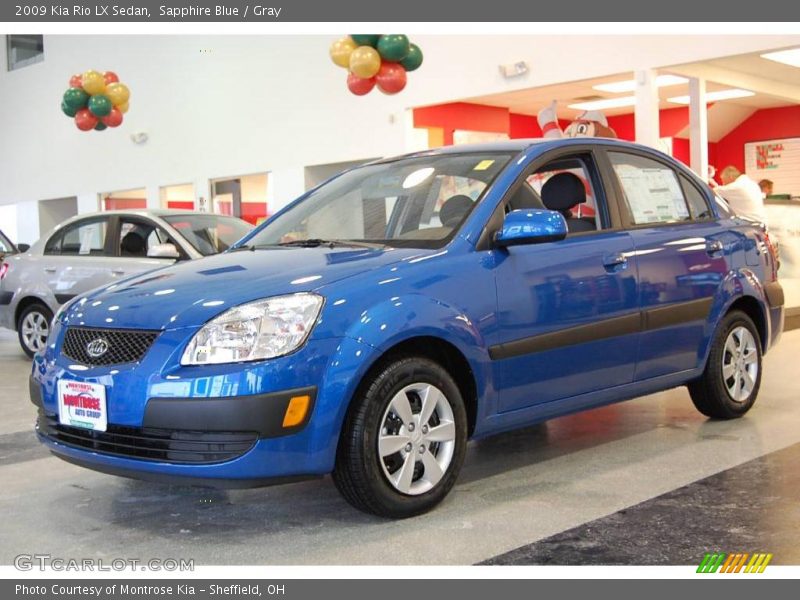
(385, 300)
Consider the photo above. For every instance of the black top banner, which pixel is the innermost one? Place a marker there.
(359, 11)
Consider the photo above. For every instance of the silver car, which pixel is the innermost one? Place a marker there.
(91, 250)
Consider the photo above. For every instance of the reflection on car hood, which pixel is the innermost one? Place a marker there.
(192, 292)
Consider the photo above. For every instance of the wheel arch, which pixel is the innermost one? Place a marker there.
(24, 303)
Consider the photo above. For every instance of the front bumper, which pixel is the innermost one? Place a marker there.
(146, 398)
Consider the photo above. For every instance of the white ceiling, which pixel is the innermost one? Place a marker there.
(775, 85)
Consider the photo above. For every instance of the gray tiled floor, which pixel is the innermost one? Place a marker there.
(515, 489)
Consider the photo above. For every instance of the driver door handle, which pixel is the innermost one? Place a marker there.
(117, 272)
(615, 261)
(714, 247)
(50, 270)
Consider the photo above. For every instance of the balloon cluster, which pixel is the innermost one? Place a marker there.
(95, 100)
(373, 59)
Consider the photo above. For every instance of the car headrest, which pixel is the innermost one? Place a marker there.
(133, 244)
(454, 209)
(563, 191)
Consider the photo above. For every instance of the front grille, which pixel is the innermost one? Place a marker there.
(168, 445)
(123, 345)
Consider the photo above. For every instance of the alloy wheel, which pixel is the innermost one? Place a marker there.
(417, 438)
(740, 364)
(35, 330)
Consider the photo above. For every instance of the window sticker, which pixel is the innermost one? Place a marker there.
(654, 194)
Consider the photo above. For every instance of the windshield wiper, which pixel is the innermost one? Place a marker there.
(316, 242)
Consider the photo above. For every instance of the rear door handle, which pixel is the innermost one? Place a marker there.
(714, 247)
(117, 272)
(49, 269)
(615, 261)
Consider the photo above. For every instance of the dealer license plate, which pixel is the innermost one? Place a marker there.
(82, 405)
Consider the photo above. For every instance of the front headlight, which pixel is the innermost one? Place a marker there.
(263, 329)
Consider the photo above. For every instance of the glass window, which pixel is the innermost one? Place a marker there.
(209, 234)
(417, 202)
(698, 206)
(84, 238)
(136, 238)
(651, 190)
(24, 50)
(586, 210)
(6, 247)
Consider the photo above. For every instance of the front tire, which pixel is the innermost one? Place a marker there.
(33, 327)
(729, 385)
(404, 440)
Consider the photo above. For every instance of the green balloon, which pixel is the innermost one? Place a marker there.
(100, 126)
(100, 105)
(413, 59)
(393, 47)
(365, 39)
(67, 110)
(75, 98)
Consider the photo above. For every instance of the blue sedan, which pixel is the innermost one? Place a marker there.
(379, 322)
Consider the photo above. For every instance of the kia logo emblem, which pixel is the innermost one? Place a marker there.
(97, 347)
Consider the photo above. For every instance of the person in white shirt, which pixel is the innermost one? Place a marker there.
(742, 193)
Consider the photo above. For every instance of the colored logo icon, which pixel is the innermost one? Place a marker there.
(735, 562)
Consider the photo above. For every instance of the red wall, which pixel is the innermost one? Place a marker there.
(764, 124)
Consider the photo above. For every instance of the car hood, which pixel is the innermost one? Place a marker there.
(190, 293)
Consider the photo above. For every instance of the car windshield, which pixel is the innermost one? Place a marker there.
(209, 234)
(414, 202)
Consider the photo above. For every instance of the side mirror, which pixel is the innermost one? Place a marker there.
(23, 247)
(165, 250)
(531, 226)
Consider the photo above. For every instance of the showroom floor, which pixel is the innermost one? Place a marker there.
(644, 482)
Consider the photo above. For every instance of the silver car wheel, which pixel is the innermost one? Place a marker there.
(417, 439)
(35, 330)
(740, 364)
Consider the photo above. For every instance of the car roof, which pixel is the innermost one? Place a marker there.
(147, 212)
(522, 144)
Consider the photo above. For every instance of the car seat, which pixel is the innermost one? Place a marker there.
(133, 244)
(454, 209)
(563, 192)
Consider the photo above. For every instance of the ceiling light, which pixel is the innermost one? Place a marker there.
(715, 96)
(787, 57)
(617, 87)
(604, 104)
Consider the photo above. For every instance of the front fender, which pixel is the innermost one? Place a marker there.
(402, 318)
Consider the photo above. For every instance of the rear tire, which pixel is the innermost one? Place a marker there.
(729, 385)
(403, 441)
(33, 327)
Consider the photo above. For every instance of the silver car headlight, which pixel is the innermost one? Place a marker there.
(263, 329)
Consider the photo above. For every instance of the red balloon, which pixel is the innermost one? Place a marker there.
(391, 78)
(113, 119)
(110, 77)
(85, 120)
(76, 81)
(359, 85)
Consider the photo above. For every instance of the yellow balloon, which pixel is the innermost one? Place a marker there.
(365, 62)
(93, 83)
(118, 93)
(341, 50)
(123, 108)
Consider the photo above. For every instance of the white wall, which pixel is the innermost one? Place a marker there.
(215, 106)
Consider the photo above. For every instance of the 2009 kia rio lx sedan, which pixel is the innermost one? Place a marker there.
(380, 321)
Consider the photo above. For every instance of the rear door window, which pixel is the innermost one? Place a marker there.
(83, 238)
(652, 191)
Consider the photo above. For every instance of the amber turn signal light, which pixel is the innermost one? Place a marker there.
(296, 411)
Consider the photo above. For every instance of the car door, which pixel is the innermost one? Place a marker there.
(78, 258)
(133, 237)
(682, 254)
(567, 315)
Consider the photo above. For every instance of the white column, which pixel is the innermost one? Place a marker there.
(283, 186)
(87, 203)
(646, 111)
(153, 195)
(698, 127)
(202, 194)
